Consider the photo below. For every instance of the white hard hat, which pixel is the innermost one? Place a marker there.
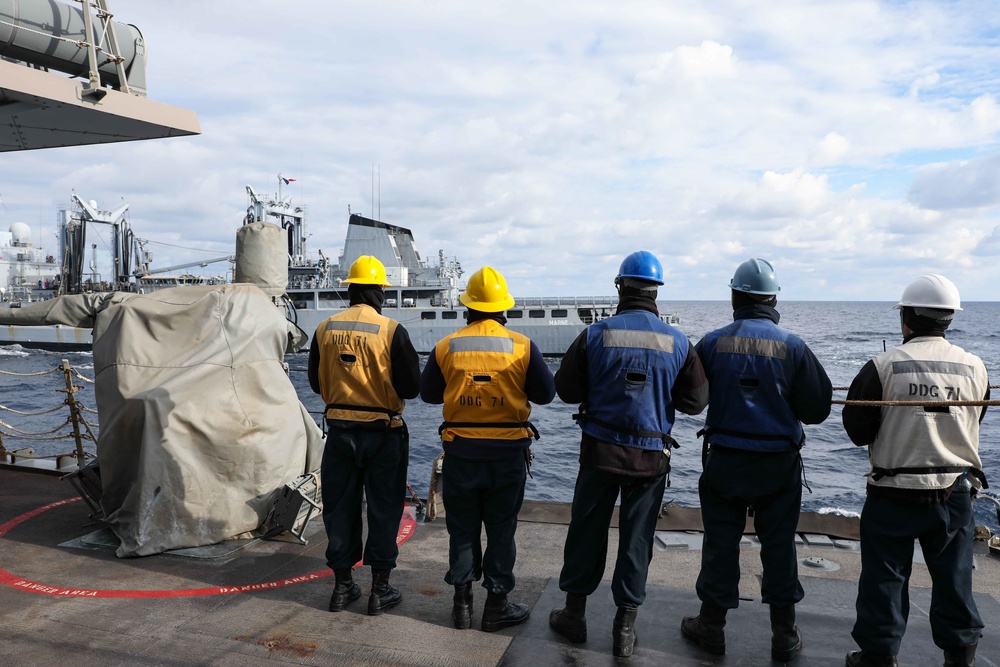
(931, 291)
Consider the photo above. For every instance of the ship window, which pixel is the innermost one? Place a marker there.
(560, 312)
(428, 315)
(515, 314)
(449, 315)
(536, 313)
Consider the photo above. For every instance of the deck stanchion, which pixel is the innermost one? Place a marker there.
(74, 412)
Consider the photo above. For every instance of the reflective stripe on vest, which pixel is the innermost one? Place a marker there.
(365, 327)
(645, 340)
(482, 344)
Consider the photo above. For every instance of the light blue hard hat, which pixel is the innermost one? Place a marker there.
(755, 276)
(641, 265)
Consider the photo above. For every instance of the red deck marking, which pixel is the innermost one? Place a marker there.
(406, 529)
(406, 525)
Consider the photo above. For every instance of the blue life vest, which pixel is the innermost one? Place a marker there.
(633, 360)
(751, 366)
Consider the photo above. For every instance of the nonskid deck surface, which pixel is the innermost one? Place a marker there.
(66, 599)
(825, 618)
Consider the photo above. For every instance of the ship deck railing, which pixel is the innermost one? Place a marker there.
(75, 427)
(565, 301)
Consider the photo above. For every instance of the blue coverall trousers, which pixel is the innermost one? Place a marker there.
(586, 549)
(370, 462)
(889, 528)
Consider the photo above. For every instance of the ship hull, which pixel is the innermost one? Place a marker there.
(55, 337)
(552, 335)
(551, 330)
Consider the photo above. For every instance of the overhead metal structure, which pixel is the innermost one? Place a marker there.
(103, 98)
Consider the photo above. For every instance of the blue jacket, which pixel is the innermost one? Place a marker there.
(633, 360)
(764, 382)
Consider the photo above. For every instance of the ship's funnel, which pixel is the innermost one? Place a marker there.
(262, 258)
(45, 33)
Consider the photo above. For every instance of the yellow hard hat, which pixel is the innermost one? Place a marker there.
(367, 270)
(487, 291)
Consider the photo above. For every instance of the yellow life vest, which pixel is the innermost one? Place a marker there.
(484, 366)
(355, 372)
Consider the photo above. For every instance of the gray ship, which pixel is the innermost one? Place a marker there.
(28, 274)
(423, 296)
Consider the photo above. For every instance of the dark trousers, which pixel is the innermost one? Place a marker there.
(734, 480)
(586, 549)
(374, 463)
(481, 494)
(888, 530)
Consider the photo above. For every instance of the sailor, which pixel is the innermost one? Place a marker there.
(925, 472)
(630, 373)
(487, 377)
(765, 383)
(364, 366)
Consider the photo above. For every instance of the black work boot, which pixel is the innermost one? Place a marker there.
(786, 640)
(461, 610)
(498, 613)
(571, 620)
(623, 631)
(383, 595)
(707, 628)
(960, 656)
(345, 590)
(869, 659)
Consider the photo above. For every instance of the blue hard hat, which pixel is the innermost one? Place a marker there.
(641, 265)
(755, 276)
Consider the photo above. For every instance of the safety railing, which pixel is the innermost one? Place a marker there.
(74, 427)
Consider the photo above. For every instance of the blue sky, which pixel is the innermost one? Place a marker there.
(852, 143)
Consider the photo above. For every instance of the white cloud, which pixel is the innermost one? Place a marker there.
(552, 139)
(832, 148)
(962, 184)
(777, 196)
(925, 82)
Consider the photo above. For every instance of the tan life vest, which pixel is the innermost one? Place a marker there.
(928, 448)
(355, 371)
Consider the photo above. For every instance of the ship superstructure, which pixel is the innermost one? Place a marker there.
(423, 296)
(27, 271)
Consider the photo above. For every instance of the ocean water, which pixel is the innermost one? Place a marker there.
(843, 335)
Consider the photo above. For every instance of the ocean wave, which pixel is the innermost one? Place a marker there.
(837, 511)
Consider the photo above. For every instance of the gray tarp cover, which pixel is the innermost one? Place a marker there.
(200, 424)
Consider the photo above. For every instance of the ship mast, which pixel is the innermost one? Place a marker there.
(73, 246)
